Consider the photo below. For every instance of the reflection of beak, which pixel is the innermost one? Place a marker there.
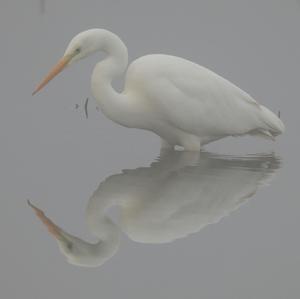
(52, 227)
(62, 63)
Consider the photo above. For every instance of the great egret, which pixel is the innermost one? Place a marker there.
(182, 102)
(178, 195)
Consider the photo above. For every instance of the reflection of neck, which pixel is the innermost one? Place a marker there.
(104, 229)
(108, 244)
(82, 253)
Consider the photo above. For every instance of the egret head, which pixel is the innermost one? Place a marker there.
(84, 44)
(81, 46)
(77, 251)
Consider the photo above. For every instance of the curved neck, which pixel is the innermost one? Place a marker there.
(113, 104)
(117, 56)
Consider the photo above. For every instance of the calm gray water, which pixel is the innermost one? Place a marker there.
(222, 224)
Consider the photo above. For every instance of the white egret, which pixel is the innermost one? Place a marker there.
(182, 102)
(178, 195)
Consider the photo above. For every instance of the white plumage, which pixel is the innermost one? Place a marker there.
(182, 102)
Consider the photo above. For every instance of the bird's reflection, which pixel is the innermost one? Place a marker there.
(179, 194)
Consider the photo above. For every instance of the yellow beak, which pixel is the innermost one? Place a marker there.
(52, 227)
(62, 63)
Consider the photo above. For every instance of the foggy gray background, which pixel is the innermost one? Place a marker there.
(51, 154)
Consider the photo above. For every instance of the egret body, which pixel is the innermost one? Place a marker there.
(182, 102)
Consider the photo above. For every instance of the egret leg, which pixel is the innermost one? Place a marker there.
(165, 145)
(191, 143)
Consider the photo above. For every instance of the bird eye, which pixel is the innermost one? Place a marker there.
(77, 50)
(70, 246)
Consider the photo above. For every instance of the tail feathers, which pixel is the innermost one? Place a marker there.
(263, 134)
(273, 124)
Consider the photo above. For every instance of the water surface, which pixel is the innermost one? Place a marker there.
(224, 224)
